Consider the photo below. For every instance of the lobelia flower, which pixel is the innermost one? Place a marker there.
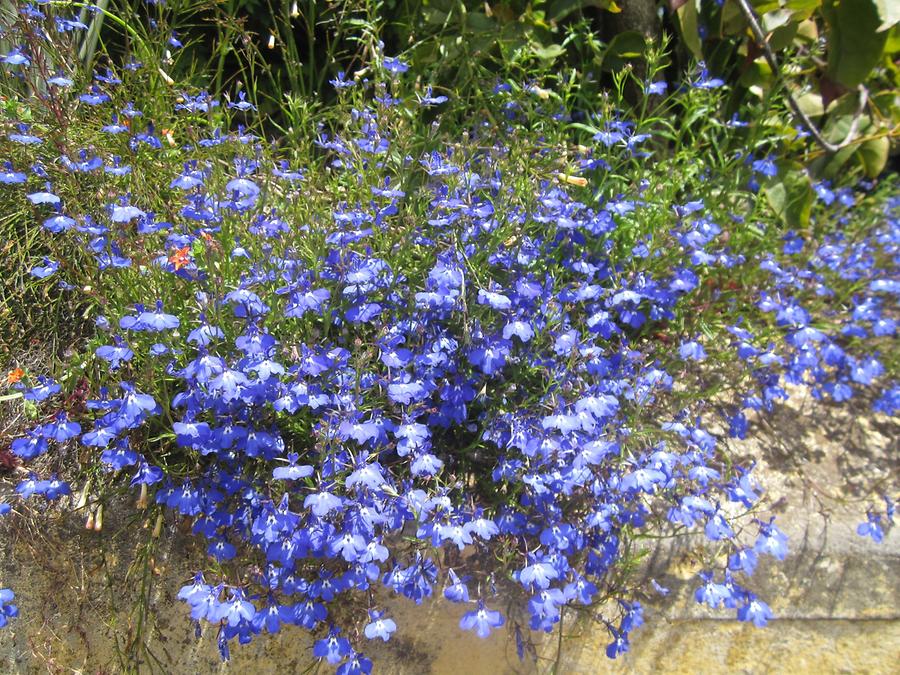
(872, 527)
(332, 648)
(771, 540)
(7, 609)
(356, 664)
(379, 626)
(482, 620)
(235, 610)
(756, 611)
(293, 471)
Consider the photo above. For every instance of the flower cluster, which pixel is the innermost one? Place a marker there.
(427, 370)
(7, 609)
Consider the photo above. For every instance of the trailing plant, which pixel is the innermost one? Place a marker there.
(396, 356)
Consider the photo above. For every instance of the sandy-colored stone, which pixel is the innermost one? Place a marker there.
(836, 596)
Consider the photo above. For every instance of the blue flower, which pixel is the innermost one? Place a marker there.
(481, 620)
(771, 540)
(356, 664)
(743, 560)
(394, 65)
(692, 350)
(322, 503)
(147, 474)
(292, 471)
(619, 645)
(756, 611)
(717, 528)
(379, 626)
(7, 609)
(235, 610)
(712, 593)
(8, 176)
(195, 593)
(30, 446)
(332, 648)
(429, 99)
(871, 528)
(456, 591)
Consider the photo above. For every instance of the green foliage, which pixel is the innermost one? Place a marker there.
(510, 147)
(856, 40)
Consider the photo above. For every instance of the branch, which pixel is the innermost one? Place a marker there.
(761, 41)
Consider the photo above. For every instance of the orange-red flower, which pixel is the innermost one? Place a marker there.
(14, 375)
(181, 257)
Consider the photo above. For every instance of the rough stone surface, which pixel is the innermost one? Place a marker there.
(836, 596)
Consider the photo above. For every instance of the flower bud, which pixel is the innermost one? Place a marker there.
(577, 181)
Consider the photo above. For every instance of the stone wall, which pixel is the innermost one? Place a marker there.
(836, 597)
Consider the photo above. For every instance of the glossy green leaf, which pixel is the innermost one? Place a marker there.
(783, 36)
(892, 46)
(733, 21)
(548, 52)
(874, 155)
(622, 48)
(687, 20)
(560, 9)
(757, 76)
(854, 44)
(791, 196)
(888, 12)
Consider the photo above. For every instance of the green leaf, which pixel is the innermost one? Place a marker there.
(833, 164)
(854, 44)
(627, 45)
(841, 116)
(783, 36)
(874, 155)
(810, 103)
(733, 21)
(892, 46)
(758, 75)
(480, 22)
(584, 127)
(774, 20)
(548, 52)
(687, 20)
(791, 196)
(763, 6)
(888, 12)
(803, 9)
(560, 9)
